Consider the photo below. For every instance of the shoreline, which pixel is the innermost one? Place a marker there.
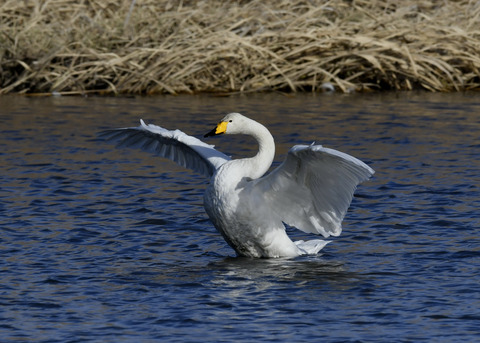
(161, 47)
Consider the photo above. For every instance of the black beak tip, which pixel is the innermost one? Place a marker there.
(211, 133)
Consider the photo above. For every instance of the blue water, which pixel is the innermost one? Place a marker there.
(99, 244)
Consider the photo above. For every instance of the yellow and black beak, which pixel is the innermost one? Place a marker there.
(221, 128)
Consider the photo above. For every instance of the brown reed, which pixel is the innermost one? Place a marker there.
(167, 46)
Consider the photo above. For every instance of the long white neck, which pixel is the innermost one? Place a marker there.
(257, 166)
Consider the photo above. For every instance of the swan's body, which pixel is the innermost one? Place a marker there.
(311, 190)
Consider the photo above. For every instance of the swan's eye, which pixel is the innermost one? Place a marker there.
(230, 120)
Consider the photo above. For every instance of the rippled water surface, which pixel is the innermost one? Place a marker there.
(112, 245)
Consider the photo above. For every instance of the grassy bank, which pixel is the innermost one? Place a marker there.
(155, 46)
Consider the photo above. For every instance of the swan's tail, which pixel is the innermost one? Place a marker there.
(311, 247)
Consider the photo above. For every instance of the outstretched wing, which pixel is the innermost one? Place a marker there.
(313, 188)
(177, 146)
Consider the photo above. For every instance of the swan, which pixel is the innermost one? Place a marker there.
(311, 190)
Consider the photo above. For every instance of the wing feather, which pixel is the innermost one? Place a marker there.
(313, 188)
(175, 145)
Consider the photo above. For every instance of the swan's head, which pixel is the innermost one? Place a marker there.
(230, 124)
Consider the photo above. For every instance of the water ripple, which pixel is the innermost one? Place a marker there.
(100, 244)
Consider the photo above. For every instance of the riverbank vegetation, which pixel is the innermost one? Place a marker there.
(167, 46)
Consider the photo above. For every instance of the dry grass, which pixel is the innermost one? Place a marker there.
(155, 46)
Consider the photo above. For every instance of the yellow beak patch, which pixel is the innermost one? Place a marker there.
(221, 127)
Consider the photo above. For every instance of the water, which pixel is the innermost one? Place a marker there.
(101, 244)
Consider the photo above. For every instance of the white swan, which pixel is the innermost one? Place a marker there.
(311, 190)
